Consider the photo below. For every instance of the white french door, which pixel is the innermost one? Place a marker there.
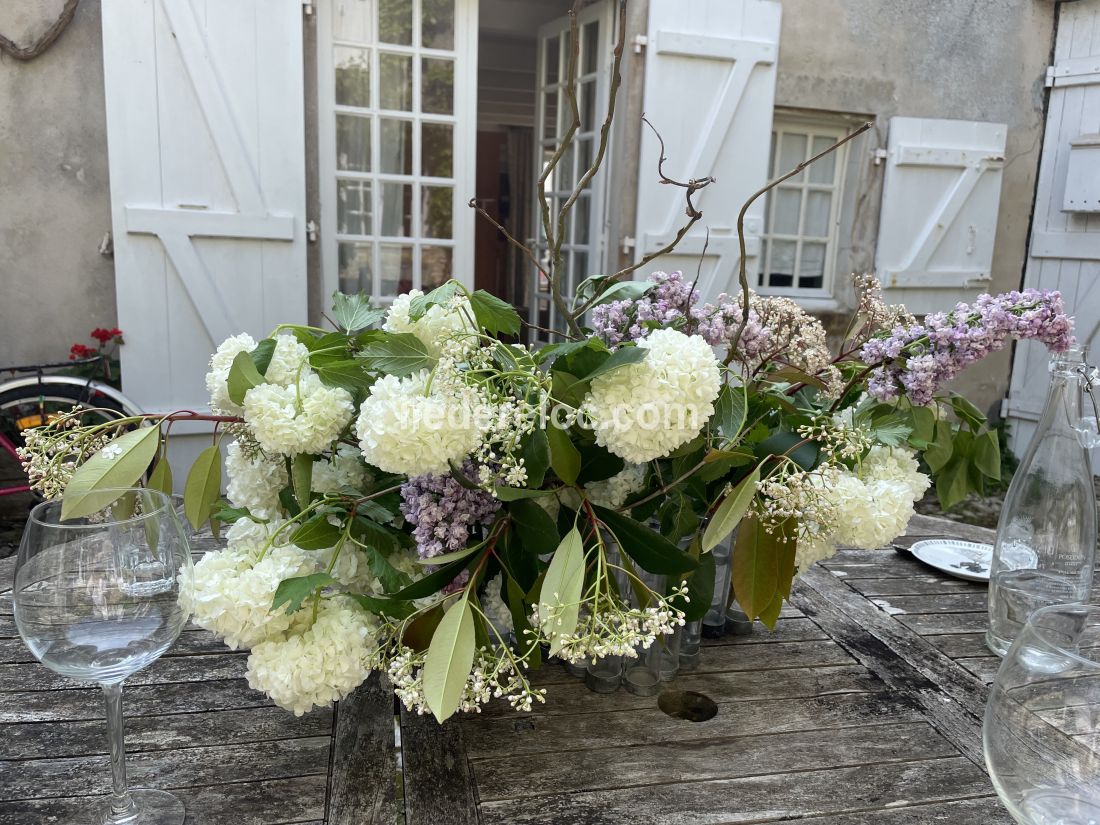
(398, 117)
(582, 247)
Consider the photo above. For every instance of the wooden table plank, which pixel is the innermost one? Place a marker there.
(363, 786)
(439, 786)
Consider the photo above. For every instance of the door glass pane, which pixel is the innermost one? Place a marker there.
(437, 150)
(438, 85)
(818, 206)
(353, 143)
(781, 271)
(436, 266)
(436, 211)
(792, 151)
(550, 115)
(590, 46)
(811, 266)
(438, 21)
(396, 210)
(395, 150)
(395, 82)
(355, 267)
(353, 21)
(353, 207)
(395, 264)
(395, 21)
(824, 170)
(553, 59)
(352, 76)
(788, 202)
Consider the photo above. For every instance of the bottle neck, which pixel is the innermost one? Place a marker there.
(1063, 405)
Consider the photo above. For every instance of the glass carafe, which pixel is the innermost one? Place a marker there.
(1046, 536)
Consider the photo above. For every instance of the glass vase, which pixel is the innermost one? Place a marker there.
(714, 622)
(691, 636)
(604, 675)
(1046, 535)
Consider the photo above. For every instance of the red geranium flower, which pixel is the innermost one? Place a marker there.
(77, 351)
(105, 335)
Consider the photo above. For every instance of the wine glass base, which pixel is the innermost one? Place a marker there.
(150, 807)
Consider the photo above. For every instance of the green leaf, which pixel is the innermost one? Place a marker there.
(564, 457)
(561, 590)
(228, 515)
(301, 478)
(952, 483)
(399, 353)
(700, 589)
(731, 511)
(518, 493)
(384, 607)
(924, 423)
(435, 581)
(261, 355)
(619, 358)
(493, 315)
(536, 457)
(940, 452)
(754, 568)
(651, 550)
(449, 660)
(534, 527)
(987, 455)
(514, 596)
(770, 614)
(354, 312)
(161, 477)
(316, 534)
(440, 295)
(786, 553)
(453, 556)
(517, 559)
(347, 374)
(567, 388)
(121, 463)
(203, 486)
(243, 376)
(623, 291)
(790, 444)
(967, 411)
(730, 410)
(292, 592)
(559, 349)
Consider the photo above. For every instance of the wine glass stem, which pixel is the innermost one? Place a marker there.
(122, 806)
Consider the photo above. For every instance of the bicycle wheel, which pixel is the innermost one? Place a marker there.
(22, 408)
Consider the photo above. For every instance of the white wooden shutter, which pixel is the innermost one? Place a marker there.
(938, 219)
(710, 91)
(207, 164)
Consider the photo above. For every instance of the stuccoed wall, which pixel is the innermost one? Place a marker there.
(979, 60)
(54, 195)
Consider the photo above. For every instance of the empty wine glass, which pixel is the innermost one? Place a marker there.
(1042, 723)
(96, 599)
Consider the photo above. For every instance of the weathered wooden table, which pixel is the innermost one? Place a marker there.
(864, 706)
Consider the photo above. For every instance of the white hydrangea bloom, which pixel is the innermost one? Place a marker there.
(220, 363)
(305, 418)
(895, 464)
(808, 551)
(351, 570)
(320, 665)
(437, 326)
(612, 493)
(287, 360)
(403, 430)
(344, 469)
(254, 483)
(646, 410)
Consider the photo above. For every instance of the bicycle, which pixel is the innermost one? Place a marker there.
(34, 400)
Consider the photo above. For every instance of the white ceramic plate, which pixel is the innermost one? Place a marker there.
(961, 559)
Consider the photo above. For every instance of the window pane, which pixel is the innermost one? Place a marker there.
(436, 266)
(550, 115)
(578, 272)
(788, 202)
(353, 207)
(395, 150)
(395, 21)
(353, 21)
(544, 313)
(762, 276)
(395, 82)
(437, 150)
(563, 172)
(824, 170)
(811, 266)
(581, 219)
(792, 151)
(352, 76)
(396, 210)
(438, 23)
(436, 211)
(590, 45)
(356, 267)
(353, 143)
(438, 86)
(588, 105)
(818, 206)
(395, 264)
(781, 271)
(585, 150)
(553, 58)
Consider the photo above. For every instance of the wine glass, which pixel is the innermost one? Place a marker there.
(1042, 723)
(96, 599)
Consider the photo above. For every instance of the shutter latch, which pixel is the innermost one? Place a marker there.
(640, 41)
(307, 7)
(628, 244)
(880, 155)
(311, 231)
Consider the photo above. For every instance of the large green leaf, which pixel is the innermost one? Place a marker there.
(301, 478)
(493, 315)
(519, 493)
(533, 526)
(987, 454)
(619, 358)
(384, 607)
(564, 457)
(924, 423)
(119, 464)
(399, 353)
(730, 410)
(561, 591)
(651, 550)
(354, 312)
(292, 592)
(623, 291)
(204, 482)
(521, 624)
(161, 477)
(700, 588)
(435, 581)
(440, 295)
(449, 660)
(536, 457)
(261, 355)
(939, 453)
(316, 534)
(346, 373)
(731, 511)
(952, 483)
(754, 567)
(243, 376)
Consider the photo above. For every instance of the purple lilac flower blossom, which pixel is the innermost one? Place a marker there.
(916, 360)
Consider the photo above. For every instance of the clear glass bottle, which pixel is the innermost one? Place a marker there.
(714, 623)
(1046, 536)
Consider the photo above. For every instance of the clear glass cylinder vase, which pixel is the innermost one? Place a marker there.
(1046, 536)
(714, 622)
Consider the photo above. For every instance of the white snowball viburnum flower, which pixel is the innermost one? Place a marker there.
(612, 493)
(895, 464)
(220, 363)
(287, 360)
(440, 324)
(254, 483)
(344, 469)
(646, 410)
(320, 665)
(403, 430)
(302, 418)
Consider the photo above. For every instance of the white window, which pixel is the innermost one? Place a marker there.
(799, 249)
(397, 111)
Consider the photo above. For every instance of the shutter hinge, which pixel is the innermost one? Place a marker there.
(311, 231)
(307, 7)
(640, 41)
(880, 155)
(628, 244)
(1050, 77)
